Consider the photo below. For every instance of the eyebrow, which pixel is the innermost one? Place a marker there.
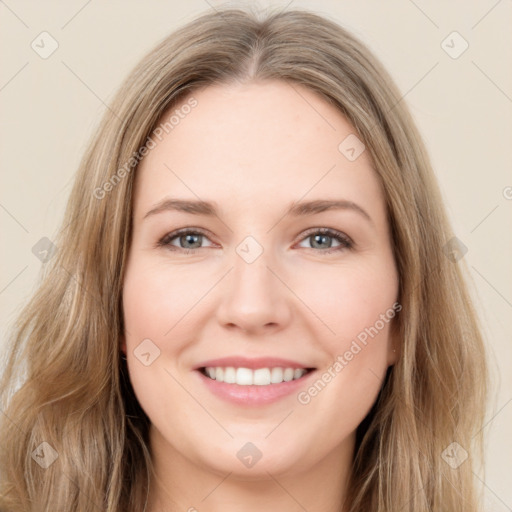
(297, 209)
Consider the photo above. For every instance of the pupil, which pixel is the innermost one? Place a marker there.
(190, 238)
(321, 238)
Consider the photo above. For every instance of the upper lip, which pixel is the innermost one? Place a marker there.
(253, 363)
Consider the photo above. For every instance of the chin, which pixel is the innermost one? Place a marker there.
(255, 460)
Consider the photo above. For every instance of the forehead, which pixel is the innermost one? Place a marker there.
(256, 143)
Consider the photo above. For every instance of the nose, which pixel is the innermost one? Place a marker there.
(254, 297)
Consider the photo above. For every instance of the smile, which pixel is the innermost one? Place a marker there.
(253, 377)
(253, 387)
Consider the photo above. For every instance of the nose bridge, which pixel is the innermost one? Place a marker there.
(252, 279)
(253, 297)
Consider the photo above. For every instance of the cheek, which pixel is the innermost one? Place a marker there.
(353, 303)
(156, 301)
(157, 329)
(348, 384)
(357, 307)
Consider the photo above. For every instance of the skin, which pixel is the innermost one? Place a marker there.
(253, 149)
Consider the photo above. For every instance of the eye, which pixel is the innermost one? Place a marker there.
(321, 238)
(190, 240)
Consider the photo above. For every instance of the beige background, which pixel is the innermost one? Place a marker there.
(462, 105)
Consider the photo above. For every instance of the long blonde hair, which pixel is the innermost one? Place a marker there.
(65, 383)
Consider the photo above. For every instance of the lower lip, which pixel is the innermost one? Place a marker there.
(254, 395)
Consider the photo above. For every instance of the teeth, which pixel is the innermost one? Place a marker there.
(244, 376)
(276, 375)
(229, 375)
(288, 374)
(261, 377)
(258, 377)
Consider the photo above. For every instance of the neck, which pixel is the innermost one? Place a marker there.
(181, 485)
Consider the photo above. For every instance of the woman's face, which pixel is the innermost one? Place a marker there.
(252, 289)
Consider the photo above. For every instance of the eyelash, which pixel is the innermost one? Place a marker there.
(345, 241)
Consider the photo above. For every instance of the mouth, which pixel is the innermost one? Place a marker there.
(266, 376)
(246, 382)
(257, 381)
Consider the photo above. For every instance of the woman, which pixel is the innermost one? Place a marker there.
(256, 368)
